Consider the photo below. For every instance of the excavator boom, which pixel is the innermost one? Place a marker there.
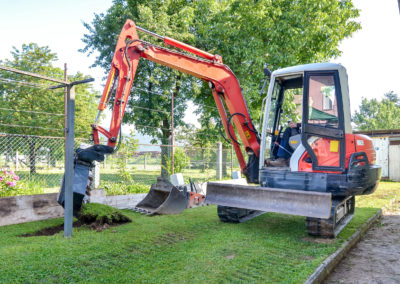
(225, 89)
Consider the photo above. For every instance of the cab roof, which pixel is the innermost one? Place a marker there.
(308, 67)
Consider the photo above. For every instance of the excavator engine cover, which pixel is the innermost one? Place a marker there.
(163, 198)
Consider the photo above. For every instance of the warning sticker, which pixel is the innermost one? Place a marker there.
(334, 146)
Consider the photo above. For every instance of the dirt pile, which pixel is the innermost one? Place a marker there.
(93, 215)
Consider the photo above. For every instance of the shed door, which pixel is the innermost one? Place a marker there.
(394, 162)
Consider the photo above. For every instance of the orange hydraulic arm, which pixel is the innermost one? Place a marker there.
(225, 86)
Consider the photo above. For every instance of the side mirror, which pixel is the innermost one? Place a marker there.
(267, 72)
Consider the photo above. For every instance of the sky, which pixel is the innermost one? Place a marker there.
(371, 55)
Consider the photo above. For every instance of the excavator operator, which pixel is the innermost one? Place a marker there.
(284, 150)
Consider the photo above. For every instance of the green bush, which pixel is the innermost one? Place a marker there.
(121, 188)
(181, 161)
(11, 185)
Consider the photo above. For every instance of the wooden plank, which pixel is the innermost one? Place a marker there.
(28, 208)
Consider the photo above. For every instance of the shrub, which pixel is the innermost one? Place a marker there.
(121, 188)
(181, 161)
(9, 184)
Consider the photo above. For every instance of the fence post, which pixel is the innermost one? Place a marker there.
(16, 160)
(145, 161)
(231, 159)
(96, 175)
(219, 161)
(172, 134)
(69, 162)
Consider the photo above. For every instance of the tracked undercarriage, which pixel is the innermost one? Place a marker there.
(341, 214)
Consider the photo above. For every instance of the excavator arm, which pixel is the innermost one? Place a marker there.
(208, 67)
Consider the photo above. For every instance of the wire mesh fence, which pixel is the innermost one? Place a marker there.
(40, 160)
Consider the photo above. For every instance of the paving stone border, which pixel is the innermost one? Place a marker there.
(329, 264)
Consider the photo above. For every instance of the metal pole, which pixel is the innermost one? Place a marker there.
(69, 162)
(172, 134)
(65, 102)
(10, 69)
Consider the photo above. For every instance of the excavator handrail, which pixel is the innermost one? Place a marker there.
(225, 86)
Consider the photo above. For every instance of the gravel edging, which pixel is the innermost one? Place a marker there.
(327, 266)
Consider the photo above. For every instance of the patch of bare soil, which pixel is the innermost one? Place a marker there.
(376, 258)
(91, 223)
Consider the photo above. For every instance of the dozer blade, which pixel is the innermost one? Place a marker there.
(163, 198)
(287, 201)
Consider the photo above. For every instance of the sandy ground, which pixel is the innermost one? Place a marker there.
(376, 258)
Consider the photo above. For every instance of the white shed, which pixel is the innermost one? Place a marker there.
(387, 147)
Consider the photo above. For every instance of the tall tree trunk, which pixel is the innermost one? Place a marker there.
(164, 157)
(32, 155)
(203, 157)
(165, 151)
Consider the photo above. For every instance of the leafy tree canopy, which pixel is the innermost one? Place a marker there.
(246, 33)
(375, 114)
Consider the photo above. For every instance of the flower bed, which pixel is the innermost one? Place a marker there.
(11, 185)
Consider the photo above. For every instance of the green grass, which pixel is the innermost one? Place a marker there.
(102, 214)
(191, 247)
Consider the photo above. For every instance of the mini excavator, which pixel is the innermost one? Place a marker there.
(328, 165)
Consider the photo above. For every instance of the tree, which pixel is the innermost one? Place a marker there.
(127, 148)
(246, 33)
(28, 107)
(374, 114)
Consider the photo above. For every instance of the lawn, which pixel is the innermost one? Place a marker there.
(191, 247)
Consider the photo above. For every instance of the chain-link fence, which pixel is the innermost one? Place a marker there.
(146, 164)
(40, 161)
(35, 159)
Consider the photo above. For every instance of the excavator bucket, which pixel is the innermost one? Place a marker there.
(287, 201)
(163, 198)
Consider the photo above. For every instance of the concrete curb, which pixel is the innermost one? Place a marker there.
(333, 260)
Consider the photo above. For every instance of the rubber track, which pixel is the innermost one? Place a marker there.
(233, 215)
(328, 228)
